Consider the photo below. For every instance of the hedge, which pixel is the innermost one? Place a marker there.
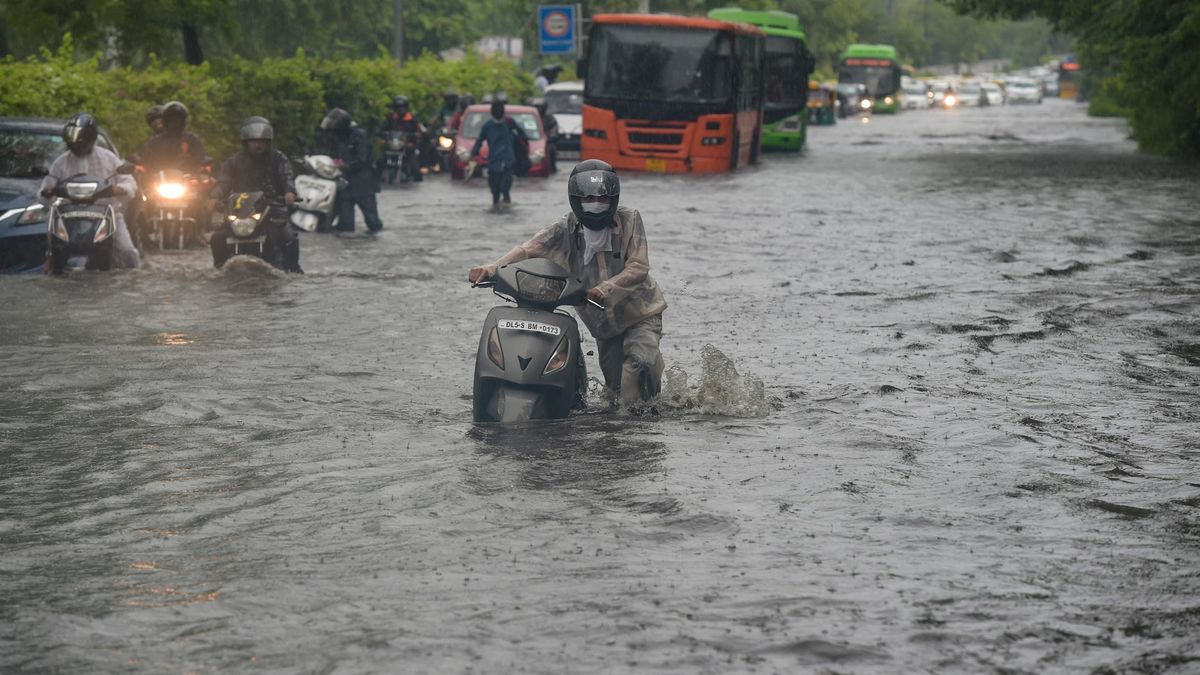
(293, 93)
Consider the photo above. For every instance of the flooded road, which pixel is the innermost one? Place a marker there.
(974, 447)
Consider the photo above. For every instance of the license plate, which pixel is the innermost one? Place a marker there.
(513, 324)
(659, 165)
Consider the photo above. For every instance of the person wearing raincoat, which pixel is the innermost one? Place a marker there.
(84, 157)
(605, 245)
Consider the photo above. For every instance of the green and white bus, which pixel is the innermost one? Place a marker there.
(787, 65)
(877, 67)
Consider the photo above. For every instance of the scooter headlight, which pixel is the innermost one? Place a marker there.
(445, 142)
(171, 190)
(558, 360)
(243, 227)
(538, 288)
(494, 352)
(81, 190)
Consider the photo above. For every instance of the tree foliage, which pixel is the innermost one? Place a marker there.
(1143, 53)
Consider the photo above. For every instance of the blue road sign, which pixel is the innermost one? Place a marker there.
(556, 29)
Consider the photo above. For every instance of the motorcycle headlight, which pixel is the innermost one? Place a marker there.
(445, 142)
(558, 360)
(865, 103)
(171, 190)
(494, 352)
(81, 190)
(950, 100)
(243, 227)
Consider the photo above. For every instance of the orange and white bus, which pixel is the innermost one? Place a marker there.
(672, 94)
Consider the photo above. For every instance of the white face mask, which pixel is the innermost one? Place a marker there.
(595, 207)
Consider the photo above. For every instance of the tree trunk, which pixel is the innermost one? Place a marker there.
(398, 30)
(192, 51)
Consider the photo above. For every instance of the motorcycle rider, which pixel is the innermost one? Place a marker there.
(260, 167)
(465, 101)
(350, 149)
(402, 120)
(605, 245)
(449, 107)
(175, 147)
(551, 126)
(84, 157)
(154, 119)
(500, 133)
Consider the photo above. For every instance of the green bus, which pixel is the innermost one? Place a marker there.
(787, 65)
(877, 67)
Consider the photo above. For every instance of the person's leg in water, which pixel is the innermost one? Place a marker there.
(506, 181)
(370, 211)
(346, 214)
(611, 352)
(494, 178)
(642, 366)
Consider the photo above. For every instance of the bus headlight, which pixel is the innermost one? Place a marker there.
(792, 123)
(888, 100)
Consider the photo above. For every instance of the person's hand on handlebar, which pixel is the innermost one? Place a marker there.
(478, 274)
(595, 295)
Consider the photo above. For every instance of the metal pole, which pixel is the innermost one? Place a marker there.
(398, 30)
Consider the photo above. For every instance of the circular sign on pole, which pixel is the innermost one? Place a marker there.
(557, 24)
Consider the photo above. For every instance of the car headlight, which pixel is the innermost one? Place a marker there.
(558, 360)
(535, 157)
(463, 154)
(243, 227)
(81, 190)
(445, 142)
(494, 352)
(30, 214)
(171, 190)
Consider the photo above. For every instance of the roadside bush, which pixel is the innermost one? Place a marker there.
(293, 93)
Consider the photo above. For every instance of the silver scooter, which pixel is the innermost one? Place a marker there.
(529, 365)
(316, 193)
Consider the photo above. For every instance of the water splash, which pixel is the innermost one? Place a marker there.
(722, 390)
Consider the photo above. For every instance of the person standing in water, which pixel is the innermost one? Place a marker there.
(605, 246)
(500, 133)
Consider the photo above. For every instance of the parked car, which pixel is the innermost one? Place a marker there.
(971, 95)
(995, 95)
(917, 96)
(1023, 90)
(28, 146)
(564, 100)
(473, 119)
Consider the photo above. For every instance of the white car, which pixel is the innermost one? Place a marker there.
(917, 96)
(1022, 90)
(995, 95)
(564, 100)
(970, 95)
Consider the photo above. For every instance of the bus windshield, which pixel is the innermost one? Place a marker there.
(660, 63)
(880, 79)
(786, 72)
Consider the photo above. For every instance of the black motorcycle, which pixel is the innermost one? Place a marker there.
(81, 232)
(170, 204)
(400, 157)
(529, 365)
(254, 225)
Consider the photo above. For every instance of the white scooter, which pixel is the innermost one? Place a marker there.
(316, 193)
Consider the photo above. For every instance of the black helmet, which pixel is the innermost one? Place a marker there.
(336, 120)
(594, 178)
(80, 133)
(174, 109)
(257, 129)
(400, 101)
(154, 113)
(465, 101)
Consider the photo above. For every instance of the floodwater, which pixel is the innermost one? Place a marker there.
(962, 437)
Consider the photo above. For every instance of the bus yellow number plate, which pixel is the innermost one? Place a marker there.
(659, 165)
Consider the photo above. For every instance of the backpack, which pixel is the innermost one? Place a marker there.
(520, 148)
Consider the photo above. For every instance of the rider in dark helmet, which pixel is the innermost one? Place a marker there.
(83, 156)
(154, 119)
(175, 147)
(401, 120)
(449, 107)
(351, 149)
(260, 168)
(604, 244)
(465, 101)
